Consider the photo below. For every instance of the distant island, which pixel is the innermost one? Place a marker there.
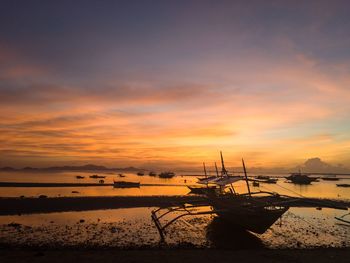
(87, 167)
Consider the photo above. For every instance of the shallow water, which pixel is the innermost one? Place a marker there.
(298, 227)
(173, 186)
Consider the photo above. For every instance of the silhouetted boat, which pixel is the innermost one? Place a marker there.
(263, 177)
(200, 190)
(124, 184)
(256, 184)
(330, 178)
(140, 173)
(166, 175)
(343, 185)
(270, 181)
(152, 174)
(121, 175)
(80, 177)
(95, 176)
(300, 178)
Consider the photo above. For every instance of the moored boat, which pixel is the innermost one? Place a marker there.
(201, 190)
(125, 184)
(300, 178)
(330, 178)
(95, 176)
(166, 175)
(343, 185)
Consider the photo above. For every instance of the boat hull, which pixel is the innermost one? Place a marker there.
(248, 213)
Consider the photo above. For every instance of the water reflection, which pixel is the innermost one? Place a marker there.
(222, 234)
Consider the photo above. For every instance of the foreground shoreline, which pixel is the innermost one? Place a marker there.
(319, 255)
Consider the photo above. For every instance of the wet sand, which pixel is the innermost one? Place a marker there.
(173, 255)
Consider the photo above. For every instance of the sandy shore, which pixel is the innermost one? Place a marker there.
(174, 255)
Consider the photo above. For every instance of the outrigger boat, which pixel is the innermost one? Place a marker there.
(252, 211)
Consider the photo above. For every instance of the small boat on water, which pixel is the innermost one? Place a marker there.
(124, 184)
(300, 178)
(256, 184)
(330, 178)
(270, 181)
(263, 177)
(166, 175)
(343, 185)
(95, 176)
(200, 190)
(140, 173)
(152, 174)
(80, 177)
(121, 175)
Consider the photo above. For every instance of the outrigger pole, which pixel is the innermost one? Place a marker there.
(246, 177)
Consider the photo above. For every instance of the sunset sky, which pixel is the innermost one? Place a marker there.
(164, 83)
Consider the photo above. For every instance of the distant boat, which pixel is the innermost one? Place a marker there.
(166, 175)
(300, 178)
(330, 178)
(124, 184)
(343, 185)
(80, 177)
(263, 177)
(95, 176)
(201, 189)
(152, 174)
(270, 181)
(256, 184)
(140, 173)
(121, 175)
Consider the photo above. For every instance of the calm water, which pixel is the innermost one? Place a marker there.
(298, 228)
(174, 186)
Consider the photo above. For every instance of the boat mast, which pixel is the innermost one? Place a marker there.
(205, 173)
(216, 168)
(224, 172)
(246, 177)
(223, 169)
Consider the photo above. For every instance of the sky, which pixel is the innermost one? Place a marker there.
(171, 83)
